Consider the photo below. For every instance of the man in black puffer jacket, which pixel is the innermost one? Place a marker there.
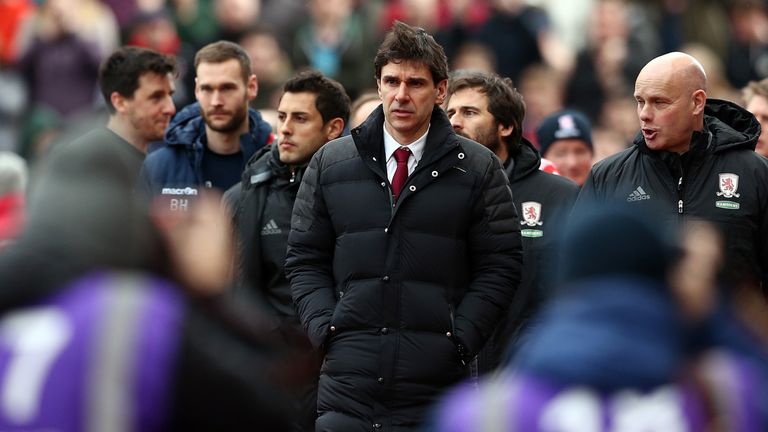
(488, 109)
(694, 159)
(401, 264)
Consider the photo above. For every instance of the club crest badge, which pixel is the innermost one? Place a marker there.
(728, 184)
(531, 214)
(531, 217)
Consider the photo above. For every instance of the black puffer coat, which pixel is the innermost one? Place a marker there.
(388, 289)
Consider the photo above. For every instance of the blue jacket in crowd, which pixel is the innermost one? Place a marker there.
(176, 168)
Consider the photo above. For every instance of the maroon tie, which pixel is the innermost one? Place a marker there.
(401, 173)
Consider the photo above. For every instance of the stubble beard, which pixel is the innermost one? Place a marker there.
(148, 129)
(486, 138)
(238, 117)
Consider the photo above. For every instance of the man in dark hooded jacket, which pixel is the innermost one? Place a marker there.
(209, 142)
(488, 109)
(694, 159)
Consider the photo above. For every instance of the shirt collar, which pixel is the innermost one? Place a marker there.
(416, 147)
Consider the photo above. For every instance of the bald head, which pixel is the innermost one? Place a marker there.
(681, 68)
(671, 95)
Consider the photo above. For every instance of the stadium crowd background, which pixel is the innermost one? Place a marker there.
(582, 54)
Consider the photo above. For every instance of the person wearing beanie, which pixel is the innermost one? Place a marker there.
(613, 266)
(613, 348)
(565, 138)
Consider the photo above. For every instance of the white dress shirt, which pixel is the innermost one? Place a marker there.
(416, 148)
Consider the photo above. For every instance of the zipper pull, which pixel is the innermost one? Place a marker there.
(293, 175)
(680, 206)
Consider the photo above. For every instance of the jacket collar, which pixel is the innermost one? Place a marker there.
(369, 138)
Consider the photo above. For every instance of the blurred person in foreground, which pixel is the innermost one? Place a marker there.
(619, 347)
(694, 158)
(404, 252)
(108, 323)
(209, 141)
(312, 111)
(565, 138)
(13, 189)
(756, 101)
(137, 85)
(488, 109)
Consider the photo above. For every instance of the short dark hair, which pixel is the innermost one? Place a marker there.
(331, 100)
(505, 103)
(221, 51)
(121, 71)
(406, 43)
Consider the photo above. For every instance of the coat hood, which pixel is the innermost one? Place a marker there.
(731, 125)
(526, 161)
(186, 126)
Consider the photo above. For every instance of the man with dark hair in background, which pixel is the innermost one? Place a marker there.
(404, 252)
(137, 85)
(488, 109)
(312, 111)
(209, 142)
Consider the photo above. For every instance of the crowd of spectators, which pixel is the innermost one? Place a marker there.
(560, 54)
